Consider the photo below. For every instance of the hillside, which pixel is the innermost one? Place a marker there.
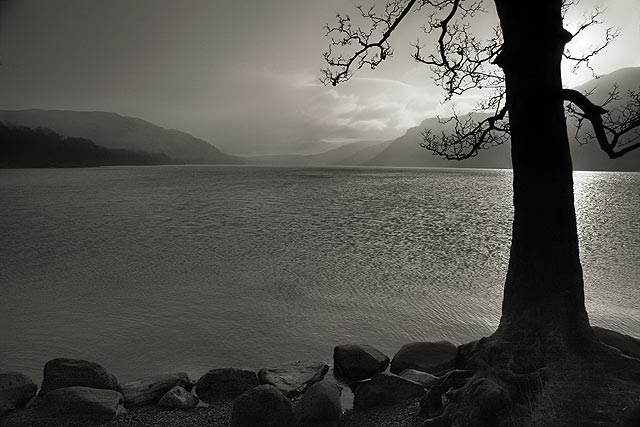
(406, 150)
(112, 130)
(21, 147)
(351, 154)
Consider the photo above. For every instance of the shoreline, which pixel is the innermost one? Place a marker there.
(402, 382)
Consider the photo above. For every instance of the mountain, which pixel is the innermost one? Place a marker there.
(406, 150)
(21, 147)
(112, 130)
(351, 154)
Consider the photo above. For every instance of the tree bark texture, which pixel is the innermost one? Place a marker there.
(543, 302)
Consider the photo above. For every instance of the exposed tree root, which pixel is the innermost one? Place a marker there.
(495, 385)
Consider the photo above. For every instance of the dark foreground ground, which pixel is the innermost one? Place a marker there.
(404, 415)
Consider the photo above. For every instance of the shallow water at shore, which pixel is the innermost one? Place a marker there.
(149, 269)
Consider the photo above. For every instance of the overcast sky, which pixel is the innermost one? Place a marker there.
(241, 74)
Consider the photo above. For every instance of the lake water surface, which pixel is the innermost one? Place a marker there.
(151, 269)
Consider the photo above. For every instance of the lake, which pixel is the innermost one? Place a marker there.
(152, 269)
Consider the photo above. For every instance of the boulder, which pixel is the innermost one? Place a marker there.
(293, 378)
(61, 373)
(83, 402)
(16, 390)
(431, 357)
(385, 389)
(225, 383)
(262, 406)
(358, 362)
(149, 390)
(178, 398)
(319, 406)
(422, 378)
(626, 344)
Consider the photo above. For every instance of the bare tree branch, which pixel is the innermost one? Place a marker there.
(461, 62)
(619, 131)
(468, 136)
(584, 58)
(393, 14)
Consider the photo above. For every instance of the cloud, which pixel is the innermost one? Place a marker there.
(375, 108)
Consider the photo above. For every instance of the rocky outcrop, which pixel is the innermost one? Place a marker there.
(225, 383)
(385, 389)
(262, 406)
(178, 398)
(83, 402)
(431, 357)
(16, 390)
(293, 378)
(358, 362)
(423, 378)
(61, 373)
(149, 390)
(319, 406)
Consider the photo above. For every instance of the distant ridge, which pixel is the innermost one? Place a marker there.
(112, 130)
(351, 154)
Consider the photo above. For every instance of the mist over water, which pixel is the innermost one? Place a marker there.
(151, 269)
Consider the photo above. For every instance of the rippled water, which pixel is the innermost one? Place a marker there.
(162, 268)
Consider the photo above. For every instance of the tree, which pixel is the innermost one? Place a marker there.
(543, 313)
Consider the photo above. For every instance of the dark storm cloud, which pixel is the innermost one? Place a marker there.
(243, 75)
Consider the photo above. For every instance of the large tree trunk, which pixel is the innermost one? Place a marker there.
(543, 305)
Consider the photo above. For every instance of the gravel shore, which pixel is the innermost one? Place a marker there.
(218, 415)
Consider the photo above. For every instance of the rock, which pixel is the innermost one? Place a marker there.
(60, 373)
(358, 362)
(83, 402)
(148, 390)
(16, 390)
(319, 406)
(189, 384)
(422, 378)
(480, 399)
(262, 406)
(626, 344)
(178, 398)
(431, 403)
(385, 389)
(455, 379)
(225, 383)
(293, 378)
(440, 393)
(431, 357)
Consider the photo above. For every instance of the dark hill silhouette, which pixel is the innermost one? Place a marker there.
(112, 130)
(21, 147)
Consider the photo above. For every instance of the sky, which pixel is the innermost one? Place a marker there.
(242, 75)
